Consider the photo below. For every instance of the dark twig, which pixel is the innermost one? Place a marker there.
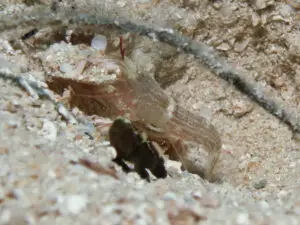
(29, 34)
(204, 53)
(34, 90)
(210, 59)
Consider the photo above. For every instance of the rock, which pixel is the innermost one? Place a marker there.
(283, 195)
(278, 18)
(99, 42)
(121, 3)
(242, 219)
(293, 43)
(33, 124)
(73, 204)
(278, 82)
(255, 20)
(66, 68)
(285, 10)
(241, 108)
(262, 4)
(170, 196)
(223, 47)
(243, 165)
(5, 216)
(240, 46)
(173, 168)
(260, 184)
(264, 205)
(49, 130)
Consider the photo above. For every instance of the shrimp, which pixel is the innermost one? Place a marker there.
(118, 90)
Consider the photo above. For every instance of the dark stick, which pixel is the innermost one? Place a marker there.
(29, 34)
(208, 57)
(205, 54)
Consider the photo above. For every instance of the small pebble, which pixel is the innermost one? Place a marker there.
(240, 46)
(49, 130)
(73, 204)
(122, 3)
(5, 216)
(241, 108)
(223, 47)
(264, 205)
(243, 219)
(262, 4)
(170, 196)
(282, 195)
(99, 42)
(66, 68)
(255, 20)
(260, 184)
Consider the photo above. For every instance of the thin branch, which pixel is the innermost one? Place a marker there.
(36, 91)
(205, 54)
(208, 57)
